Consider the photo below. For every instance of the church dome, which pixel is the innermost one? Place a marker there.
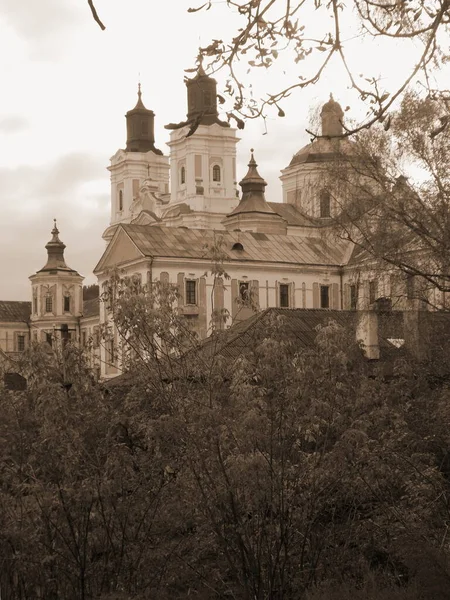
(325, 147)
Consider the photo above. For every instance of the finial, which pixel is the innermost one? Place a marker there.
(331, 97)
(55, 228)
(252, 162)
(200, 70)
(139, 90)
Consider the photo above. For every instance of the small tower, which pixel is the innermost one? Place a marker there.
(141, 128)
(139, 165)
(304, 179)
(253, 213)
(202, 159)
(332, 117)
(57, 293)
(202, 99)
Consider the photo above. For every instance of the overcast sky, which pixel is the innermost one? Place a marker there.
(66, 86)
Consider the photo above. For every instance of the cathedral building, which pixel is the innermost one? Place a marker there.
(171, 216)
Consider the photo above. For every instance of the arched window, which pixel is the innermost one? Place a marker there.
(183, 175)
(120, 200)
(216, 173)
(325, 204)
(66, 303)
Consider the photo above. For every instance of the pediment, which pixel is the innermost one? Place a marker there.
(146, 217)
(120, 250)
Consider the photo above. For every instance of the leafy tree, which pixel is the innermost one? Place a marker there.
(392, 196)
(313, 37)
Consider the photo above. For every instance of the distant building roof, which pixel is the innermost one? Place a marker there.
(13, 311)
(179, 242)
(91, 308)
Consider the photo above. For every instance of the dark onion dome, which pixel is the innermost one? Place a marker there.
(202, 102)
(55, 254)
(141, 128)
(253, 199)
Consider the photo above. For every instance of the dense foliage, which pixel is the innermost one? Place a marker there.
(279, 474)
(391, 192)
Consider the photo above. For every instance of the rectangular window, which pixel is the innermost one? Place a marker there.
(83, 337)
(191, 292)
(49, 339)
(66, 303)
(324, 296)
(353, 297)
(20, 343)
(244, 291)
(373, 288)
(48, 304)
(284, 295)
(35, 305)
(110, 349)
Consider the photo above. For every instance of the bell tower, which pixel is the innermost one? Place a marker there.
(57, 296)
(202, 159)
(140, 165)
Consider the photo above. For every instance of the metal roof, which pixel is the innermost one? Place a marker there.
(91, 308)
(180, 242)
(13, 311)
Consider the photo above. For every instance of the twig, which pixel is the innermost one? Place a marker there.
(95, 15)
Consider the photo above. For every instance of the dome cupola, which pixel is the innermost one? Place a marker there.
(55, 254)
(332, 117)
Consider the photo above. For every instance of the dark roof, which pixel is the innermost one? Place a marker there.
(91, 308)
(322, 150)
(13, 311)
(300, 326)
(179, 242)
(298, 323)
(293, 215)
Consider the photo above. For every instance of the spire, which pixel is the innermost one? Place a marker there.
(139, 103)
(140, 127)
(253, 186)
(55, 253)
(332, 117)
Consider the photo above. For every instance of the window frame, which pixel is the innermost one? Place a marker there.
(48, 303)
(373, 290)
(120, 204)
(67, 303)
(20, 342)
(216, 174)
(285, 295)
(325, 202)
(244, 291)
(353, 296)
(322, 296)
(190, 297)
(208, 99)
(183, 175)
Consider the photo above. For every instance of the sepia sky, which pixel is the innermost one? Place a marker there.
(65, 88)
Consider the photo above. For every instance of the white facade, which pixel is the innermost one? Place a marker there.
(129, 172)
